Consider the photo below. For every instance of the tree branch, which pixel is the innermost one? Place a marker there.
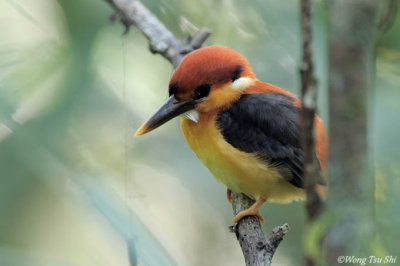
(257, 250)
(161, 40)
(314, 204)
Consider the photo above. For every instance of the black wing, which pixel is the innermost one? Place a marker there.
(266, 124)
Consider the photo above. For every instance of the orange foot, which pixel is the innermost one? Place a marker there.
(228, 195)
(253, 210)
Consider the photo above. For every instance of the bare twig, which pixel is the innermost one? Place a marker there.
(161, 40)
(314, 204)
(256, 249)
(309, 96)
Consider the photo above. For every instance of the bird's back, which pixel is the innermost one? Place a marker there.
(320, 136)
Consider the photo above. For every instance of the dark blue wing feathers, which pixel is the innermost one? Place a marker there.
(266, 124)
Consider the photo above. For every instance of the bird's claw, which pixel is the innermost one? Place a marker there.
(253, 210)
(228, 195)
(245, 213)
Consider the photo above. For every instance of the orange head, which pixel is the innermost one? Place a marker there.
(207, 79)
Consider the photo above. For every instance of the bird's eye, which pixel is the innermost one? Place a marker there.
(173, 88)
(236, 72)
(201, 91)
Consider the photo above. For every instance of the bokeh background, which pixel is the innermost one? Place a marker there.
(76, 188)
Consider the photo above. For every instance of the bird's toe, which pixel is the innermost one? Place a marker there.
(245, 213)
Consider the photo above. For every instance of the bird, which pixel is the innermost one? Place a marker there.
(245, 131)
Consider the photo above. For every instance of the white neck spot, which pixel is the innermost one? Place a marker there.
(192, 115)
(242, 83)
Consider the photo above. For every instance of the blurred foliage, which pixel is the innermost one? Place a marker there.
(385, 127)
(77, 189)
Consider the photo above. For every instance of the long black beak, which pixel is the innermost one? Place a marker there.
(170, 109)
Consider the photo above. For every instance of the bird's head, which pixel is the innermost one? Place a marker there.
(207, 79)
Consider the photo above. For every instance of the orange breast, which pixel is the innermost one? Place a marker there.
(239, 171)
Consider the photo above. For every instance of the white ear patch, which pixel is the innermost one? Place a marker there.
(242, 83)
(192, 115)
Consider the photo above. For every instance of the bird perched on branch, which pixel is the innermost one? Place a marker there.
(245, 131)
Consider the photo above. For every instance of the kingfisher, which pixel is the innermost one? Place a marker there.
(245, 131)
